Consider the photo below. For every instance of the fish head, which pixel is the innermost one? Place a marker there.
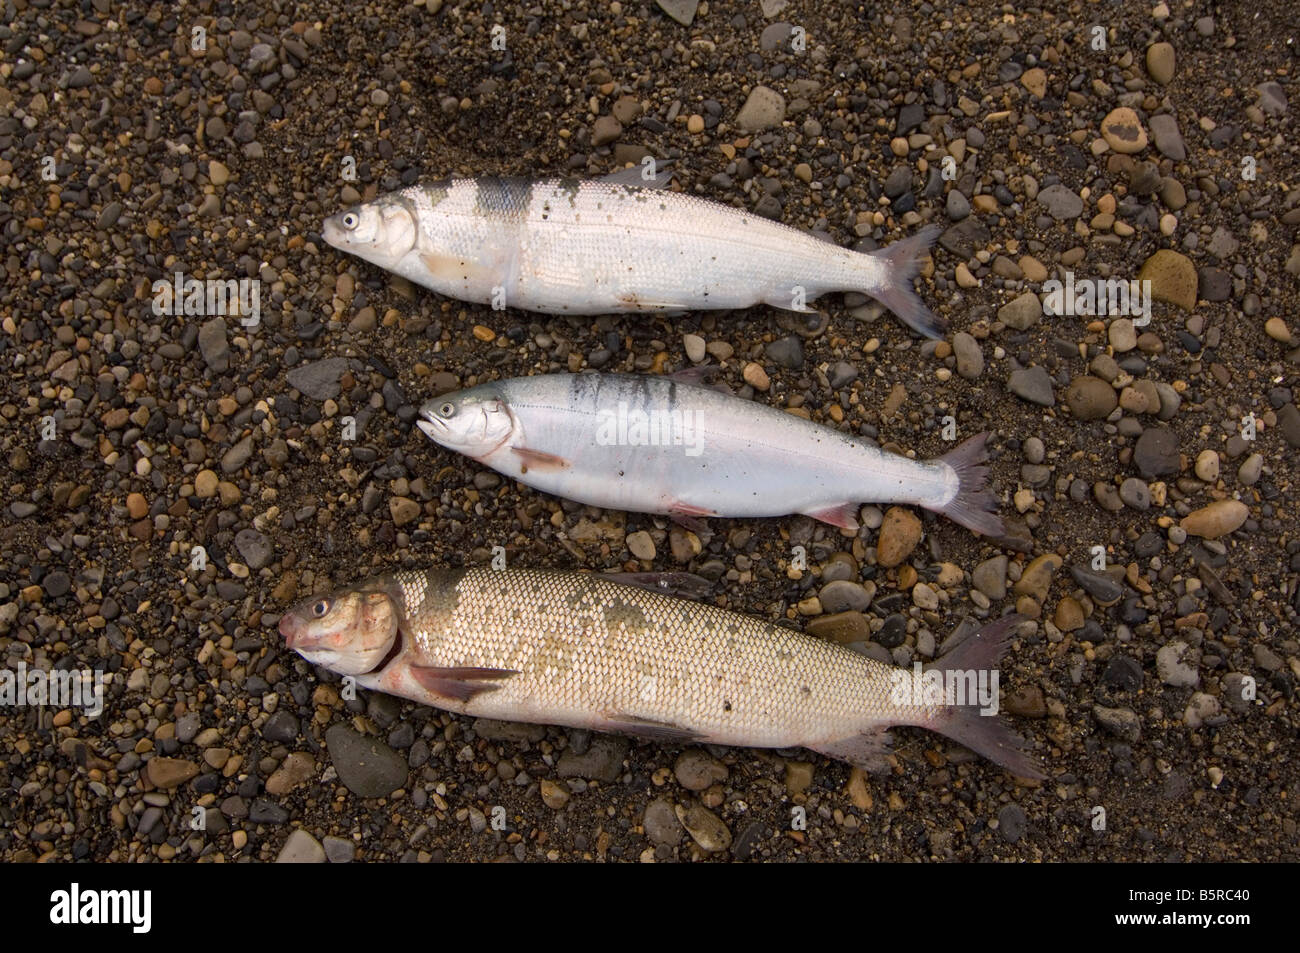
(381, 232)
(474, 422)
(348, 632)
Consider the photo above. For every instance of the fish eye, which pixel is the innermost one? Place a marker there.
(448, 409)
(321, 608)
(350, 220)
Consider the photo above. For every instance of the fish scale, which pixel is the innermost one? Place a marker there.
(588, 651)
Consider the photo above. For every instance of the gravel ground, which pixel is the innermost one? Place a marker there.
(131, 437)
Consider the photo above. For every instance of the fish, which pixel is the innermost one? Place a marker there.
(671, 446)
(581, 650)
(602, 246)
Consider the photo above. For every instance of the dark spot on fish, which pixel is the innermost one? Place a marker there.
(503, 197)
(629, 615)
(570, 187)
(441, 593)
(434, 193)
(726, 705)
(807, 690)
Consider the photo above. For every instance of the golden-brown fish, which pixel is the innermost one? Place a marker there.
(586, 651)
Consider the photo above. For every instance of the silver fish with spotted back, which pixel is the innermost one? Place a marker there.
(653, 444)
(593, 246)
(585, 651)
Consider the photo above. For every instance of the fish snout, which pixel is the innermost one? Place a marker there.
(429, 421)
(290, 628)
(332, 231)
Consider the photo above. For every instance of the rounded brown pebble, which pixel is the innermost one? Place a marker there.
(1276, 329)
(899, 534)
(1173, 278)
(1160, 62)
(205, 484)
(1123, 131)
(1090, 398)
(1037, 577)
(1069, 615)
(1217, 519)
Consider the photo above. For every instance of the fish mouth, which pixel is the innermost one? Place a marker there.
(332, 231)
(289, 628)
(433, 427)
(297, 641)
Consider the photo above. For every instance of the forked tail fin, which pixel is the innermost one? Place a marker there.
(975, 506)
(986, 734)
(902, 262)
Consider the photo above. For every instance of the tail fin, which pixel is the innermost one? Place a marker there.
(988, 735)
(903, 263)
(975, 506)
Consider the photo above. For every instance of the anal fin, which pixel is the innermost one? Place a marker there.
(460, 684)
(843, 515)
(868, 750)
(786, 300)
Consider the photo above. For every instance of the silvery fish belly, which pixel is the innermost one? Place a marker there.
(659, 445)
(571, 246)
(587, 651)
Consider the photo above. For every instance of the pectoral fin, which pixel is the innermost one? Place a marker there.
(456, 268)
(631, 301)
(688, 515)
(685, 585)
(539, 460)
(460, 684)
